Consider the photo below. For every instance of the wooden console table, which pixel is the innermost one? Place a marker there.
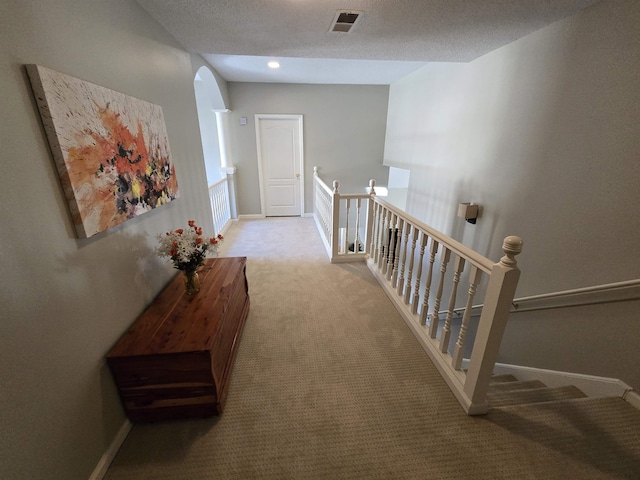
(176, 359)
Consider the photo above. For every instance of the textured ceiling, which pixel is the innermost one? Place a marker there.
(389, 30)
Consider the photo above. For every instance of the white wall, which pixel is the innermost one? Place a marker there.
(545, 134)
(206, 94)
(344, 128)
(66, 301)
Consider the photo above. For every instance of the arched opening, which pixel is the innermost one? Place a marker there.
(208, 101)
(212, 118)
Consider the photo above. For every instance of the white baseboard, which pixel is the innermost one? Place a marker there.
(227, 225)
(591, 385)
(103, 465)
(307, 214)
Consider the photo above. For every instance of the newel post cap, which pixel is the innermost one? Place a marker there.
(372, 186)
(336, 184)
(511, 246)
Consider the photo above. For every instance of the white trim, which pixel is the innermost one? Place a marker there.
(632, 398)
(307, 215)
(107, 457)
(268, 116)
(591, 385)
(252, 216)
(226, 227)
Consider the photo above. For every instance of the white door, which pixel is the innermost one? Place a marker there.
(280, 162)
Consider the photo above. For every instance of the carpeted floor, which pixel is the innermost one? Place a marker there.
(329, 383)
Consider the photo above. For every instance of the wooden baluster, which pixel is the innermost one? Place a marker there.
(435, 316)
(427, 288)
(384, 237)
(327, 214)
(391, 256)
(335, 219)
(403, 259)
(369, 220)
(356, 241)
(398, 251)
(446, 330)
(375, 238)
(218, 211)
(407, 288)
(458, 351)
(416, 289)
(323, 207)
(345, 247)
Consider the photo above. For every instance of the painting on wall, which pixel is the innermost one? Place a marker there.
(111, 150)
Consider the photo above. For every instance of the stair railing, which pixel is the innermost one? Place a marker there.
(342, 220)
(420, 268)
(220, 204)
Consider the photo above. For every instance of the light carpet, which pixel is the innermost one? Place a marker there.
(329, 383)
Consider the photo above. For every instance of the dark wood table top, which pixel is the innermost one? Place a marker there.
(176, 322)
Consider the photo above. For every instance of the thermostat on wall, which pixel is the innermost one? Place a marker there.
(243, 120)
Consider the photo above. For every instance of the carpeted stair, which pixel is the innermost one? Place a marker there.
(507, 391)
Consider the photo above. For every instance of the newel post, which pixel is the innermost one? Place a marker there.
(368, 241)
(335, 219)
(493, 321)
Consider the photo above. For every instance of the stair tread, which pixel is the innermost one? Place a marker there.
(518, 385)
(533, 395)
(589, 421)
(611, 409)
(502, 379)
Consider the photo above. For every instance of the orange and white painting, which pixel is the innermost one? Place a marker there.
(111, 150)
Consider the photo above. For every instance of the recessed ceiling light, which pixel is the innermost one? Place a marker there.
(273, 64)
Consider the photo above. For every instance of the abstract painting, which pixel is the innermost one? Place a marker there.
(111, 150)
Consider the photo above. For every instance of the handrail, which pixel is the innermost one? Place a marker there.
(321, 183)
(595, 289)
(579, 291)
(482, 262)
(401, 252)
(217, 182)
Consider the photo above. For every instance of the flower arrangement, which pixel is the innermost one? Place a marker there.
(187, 249)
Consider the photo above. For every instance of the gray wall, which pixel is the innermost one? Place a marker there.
(544, 133)
(344, 129)
(66, 301)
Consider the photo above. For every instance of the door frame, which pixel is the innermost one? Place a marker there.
(269, 116)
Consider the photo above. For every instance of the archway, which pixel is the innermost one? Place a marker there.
(214, 133)
(208, 101)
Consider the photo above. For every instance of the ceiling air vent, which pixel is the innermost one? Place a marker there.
(345, 20)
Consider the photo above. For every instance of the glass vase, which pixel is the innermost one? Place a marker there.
(191, 282)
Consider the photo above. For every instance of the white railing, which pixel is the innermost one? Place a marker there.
(626, 291)
(342, 220)
(411, 262)
(595, 295)
(219, 199)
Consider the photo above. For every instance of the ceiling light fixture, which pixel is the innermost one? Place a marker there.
(273, 64)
